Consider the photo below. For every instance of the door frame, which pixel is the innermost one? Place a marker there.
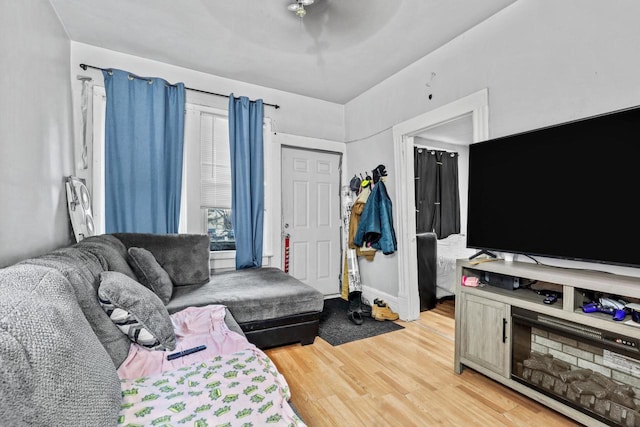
(304, 143)
(476, 104)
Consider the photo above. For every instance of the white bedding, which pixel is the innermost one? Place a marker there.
(450, 249)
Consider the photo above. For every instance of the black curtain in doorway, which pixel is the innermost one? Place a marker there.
(437, 195)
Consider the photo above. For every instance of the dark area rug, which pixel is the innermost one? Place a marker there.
(336, 328)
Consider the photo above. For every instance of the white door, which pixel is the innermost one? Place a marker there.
(311, 216)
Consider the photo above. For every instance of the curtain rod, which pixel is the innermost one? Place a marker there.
(424, 147)
(85, 66)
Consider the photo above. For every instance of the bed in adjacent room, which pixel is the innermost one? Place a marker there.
(449, 250)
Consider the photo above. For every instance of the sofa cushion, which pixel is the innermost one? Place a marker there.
(137, 311)
(252, 294)
(82, 269)
(150, 273)
(54, 369)
(185, 257)
(110, 251)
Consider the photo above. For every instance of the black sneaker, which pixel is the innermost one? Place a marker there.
(366, 308)
(355, 317)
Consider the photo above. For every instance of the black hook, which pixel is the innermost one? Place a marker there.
(378, 173)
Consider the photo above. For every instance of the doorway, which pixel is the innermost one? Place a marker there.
(476, 106)
(453, 136)
(311, 216)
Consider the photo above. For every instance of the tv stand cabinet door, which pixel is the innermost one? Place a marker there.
(484, 333)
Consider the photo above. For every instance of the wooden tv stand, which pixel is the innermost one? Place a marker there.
(484, 324)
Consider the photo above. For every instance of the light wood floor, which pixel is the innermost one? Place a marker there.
(402, 378)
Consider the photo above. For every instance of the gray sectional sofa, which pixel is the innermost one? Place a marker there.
(59, 350)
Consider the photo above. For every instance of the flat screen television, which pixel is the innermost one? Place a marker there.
(568, 191)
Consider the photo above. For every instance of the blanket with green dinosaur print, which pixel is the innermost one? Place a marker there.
(239, 389)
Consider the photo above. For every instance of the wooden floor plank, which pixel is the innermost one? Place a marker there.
(402, 378)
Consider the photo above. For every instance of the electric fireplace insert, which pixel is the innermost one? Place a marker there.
(594, 371)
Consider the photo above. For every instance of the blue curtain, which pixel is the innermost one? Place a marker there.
(143, 153)
(247, 179)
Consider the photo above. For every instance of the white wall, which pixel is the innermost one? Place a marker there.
(368, 154)
(543, 62)
(35, 130)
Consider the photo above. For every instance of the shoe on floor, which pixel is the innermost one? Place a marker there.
(367, 309)
(379, 302)
(384, 313)
(355, 317)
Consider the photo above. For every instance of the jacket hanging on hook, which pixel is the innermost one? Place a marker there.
(375, 228)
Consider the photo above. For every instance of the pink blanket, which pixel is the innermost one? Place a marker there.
(193, 326)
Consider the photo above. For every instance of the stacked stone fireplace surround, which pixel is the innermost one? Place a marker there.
(577, 372)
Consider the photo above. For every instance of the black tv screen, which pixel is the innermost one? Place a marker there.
(567, 191)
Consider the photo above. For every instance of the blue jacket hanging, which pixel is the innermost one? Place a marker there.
(376, 222)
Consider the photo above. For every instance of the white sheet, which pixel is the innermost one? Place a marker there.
(450, 249)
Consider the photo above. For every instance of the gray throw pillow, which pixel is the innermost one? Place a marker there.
(150, 273)
(137, 311)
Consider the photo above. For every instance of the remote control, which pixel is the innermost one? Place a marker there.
(186, 352)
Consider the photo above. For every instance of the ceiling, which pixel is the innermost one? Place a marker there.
(337, 51)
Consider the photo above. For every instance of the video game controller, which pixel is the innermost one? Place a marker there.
(610, 302)
(608, 306)
(550, 296)
(620, 307)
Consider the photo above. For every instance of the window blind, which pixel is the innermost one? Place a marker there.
(215, 161)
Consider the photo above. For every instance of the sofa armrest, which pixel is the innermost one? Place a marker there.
(185, 257)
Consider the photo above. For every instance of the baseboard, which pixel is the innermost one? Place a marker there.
(370, 294)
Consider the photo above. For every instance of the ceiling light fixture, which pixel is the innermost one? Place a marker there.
(298, 7)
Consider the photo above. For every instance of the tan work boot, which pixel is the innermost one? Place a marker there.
(377, 303)
(383, 312)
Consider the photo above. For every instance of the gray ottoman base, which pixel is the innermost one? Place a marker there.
(285, 330)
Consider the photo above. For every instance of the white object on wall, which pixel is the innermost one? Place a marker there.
(79, 202)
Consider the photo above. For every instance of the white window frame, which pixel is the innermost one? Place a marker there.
(97, 155)
(192, 216)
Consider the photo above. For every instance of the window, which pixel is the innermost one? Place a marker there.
(220, 230)
(207, 137)
(99, 106)
(215, 180)
(208, 169)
